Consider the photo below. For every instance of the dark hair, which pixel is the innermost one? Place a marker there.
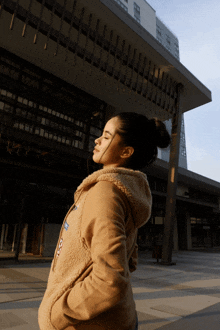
(144, 135)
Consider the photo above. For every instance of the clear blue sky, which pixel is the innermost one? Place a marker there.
(196, 24)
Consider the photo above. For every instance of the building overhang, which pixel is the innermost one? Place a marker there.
(185, 177)
(140, 77)
(195, 93)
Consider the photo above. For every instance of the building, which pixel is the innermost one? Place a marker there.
(145, 15)
(66, 66)
(167, 38)
(170, 41)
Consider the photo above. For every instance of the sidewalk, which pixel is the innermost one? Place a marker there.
(180, 297)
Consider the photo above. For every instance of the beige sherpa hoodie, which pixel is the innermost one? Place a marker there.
(89, 282)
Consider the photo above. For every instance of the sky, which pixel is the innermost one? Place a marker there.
(196, 24)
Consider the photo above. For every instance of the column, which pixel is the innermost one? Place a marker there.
(42, 239)
(24, 238)
(6, 233)
(175, 236)
(172, 182)
(14, 237)
(2, 236)
(188, 231)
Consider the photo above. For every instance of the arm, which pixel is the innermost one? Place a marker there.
(103, 229)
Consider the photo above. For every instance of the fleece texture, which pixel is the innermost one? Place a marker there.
(89, 282)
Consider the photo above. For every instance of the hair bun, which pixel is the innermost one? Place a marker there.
(162, 136)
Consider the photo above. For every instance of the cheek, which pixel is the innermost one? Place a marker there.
(113, 152)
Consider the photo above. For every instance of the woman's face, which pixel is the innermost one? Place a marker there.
(109, 149)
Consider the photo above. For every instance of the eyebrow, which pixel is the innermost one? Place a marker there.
(107, 132)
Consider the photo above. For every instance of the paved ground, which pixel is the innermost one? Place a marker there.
(181, 297)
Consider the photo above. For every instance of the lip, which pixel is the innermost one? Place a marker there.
(95, 150)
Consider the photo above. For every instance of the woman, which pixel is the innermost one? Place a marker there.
(89, 282)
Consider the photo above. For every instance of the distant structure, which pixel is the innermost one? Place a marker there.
(171, 43)
(144, 14)
(167, 38)
(165, 153)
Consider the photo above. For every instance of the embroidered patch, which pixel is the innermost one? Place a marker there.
(66, 226)
(60, 247)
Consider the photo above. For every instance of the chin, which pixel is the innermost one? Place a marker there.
(95, 159)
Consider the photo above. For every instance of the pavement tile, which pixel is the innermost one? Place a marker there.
(20, 315)
(15, 285)
(151, 322)
(206, 319)
(9, 320)
(166, 297)
(171, 310)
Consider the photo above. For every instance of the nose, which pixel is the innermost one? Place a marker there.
(97, 141)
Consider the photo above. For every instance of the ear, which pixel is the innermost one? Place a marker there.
(127, 152)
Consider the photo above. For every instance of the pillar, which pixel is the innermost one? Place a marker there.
(188, 231)
(175, 236)
(24, 238)
(14, 237)
(42, 239)
(2, 237)
(6, 233)
(170, 213)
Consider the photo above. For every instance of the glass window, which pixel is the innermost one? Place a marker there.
(31, 77)
(168, 40)
(159, 220)
(37, 130)
(137, 12)
(122, 5)
(159, 31)
(8, 108)
(3, 92)
(137, 9)
(137, 19)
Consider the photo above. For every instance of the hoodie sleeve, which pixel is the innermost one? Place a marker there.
(103, 231)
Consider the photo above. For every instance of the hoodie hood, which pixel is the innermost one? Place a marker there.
(133, 184)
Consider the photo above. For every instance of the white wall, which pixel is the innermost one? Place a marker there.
(147, 13)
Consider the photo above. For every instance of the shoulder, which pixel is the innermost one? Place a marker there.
(105, 191)
(104, 196)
